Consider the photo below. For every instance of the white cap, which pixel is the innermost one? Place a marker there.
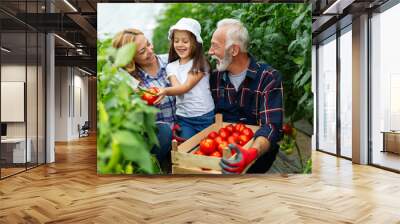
(187, 24)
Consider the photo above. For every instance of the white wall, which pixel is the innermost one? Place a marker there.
(11, 73)
(71, 94)
(62, 81)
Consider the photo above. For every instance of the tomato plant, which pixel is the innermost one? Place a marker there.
(287, 129)
(126, 125)
(280, 35)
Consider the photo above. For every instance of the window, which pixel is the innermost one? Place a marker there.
(346, 92)
(385, 88)
(327, 95)
(22, 68)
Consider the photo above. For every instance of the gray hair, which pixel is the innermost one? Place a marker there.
(236, 34)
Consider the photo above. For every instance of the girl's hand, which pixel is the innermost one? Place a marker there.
(161, 94)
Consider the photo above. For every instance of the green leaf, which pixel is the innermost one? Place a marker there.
(303, 98)
(306, 78)
(299, 60)
(132, 147)
(296, 23)
(125, 54)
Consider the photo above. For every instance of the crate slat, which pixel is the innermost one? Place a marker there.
(185, 162)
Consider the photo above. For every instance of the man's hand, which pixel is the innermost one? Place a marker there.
(243, 159)
(261, 144)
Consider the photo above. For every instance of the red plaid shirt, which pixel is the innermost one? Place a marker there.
(258, 100)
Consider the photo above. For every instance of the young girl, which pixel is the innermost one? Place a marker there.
(188, 72)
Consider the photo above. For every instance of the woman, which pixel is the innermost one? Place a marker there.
(149, 69)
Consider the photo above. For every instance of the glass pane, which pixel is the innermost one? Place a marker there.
(32, 96)
(346, 94)
(386, 89)
(13, 86)
(41, 99)
(314, 76)
(327, 96)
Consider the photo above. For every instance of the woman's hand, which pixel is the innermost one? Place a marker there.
(161, 94)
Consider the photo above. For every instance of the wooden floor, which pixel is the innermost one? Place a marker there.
(70, 191)
(387, 159)
(10, 171)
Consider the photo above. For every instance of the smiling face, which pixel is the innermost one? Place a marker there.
(144, 51)
(218, 50)
(183, 44)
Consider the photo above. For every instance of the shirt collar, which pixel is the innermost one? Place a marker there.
(251, 70)
(145, 75)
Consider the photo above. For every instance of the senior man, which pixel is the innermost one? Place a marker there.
(246, 91)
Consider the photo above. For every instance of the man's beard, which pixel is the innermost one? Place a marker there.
(224, 62)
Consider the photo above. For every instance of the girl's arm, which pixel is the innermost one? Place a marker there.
(177, 88)
(174, 81)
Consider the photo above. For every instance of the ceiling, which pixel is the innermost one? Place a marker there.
(328, 15)
(75, 23)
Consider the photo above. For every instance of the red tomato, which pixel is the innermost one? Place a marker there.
(243, 139)
(248, 132)
(218, 139)
(216, 154)
(287, 129)
(236, 134)
(224, 133)
(207, 146)
(150, 98)
(232, 140)
(230, 128)
(198, 152)
(212, 135)
(221, 146)
(239, 127)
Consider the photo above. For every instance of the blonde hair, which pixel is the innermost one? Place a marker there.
(125, 37)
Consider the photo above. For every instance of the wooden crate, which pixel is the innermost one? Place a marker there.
(185, 162)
